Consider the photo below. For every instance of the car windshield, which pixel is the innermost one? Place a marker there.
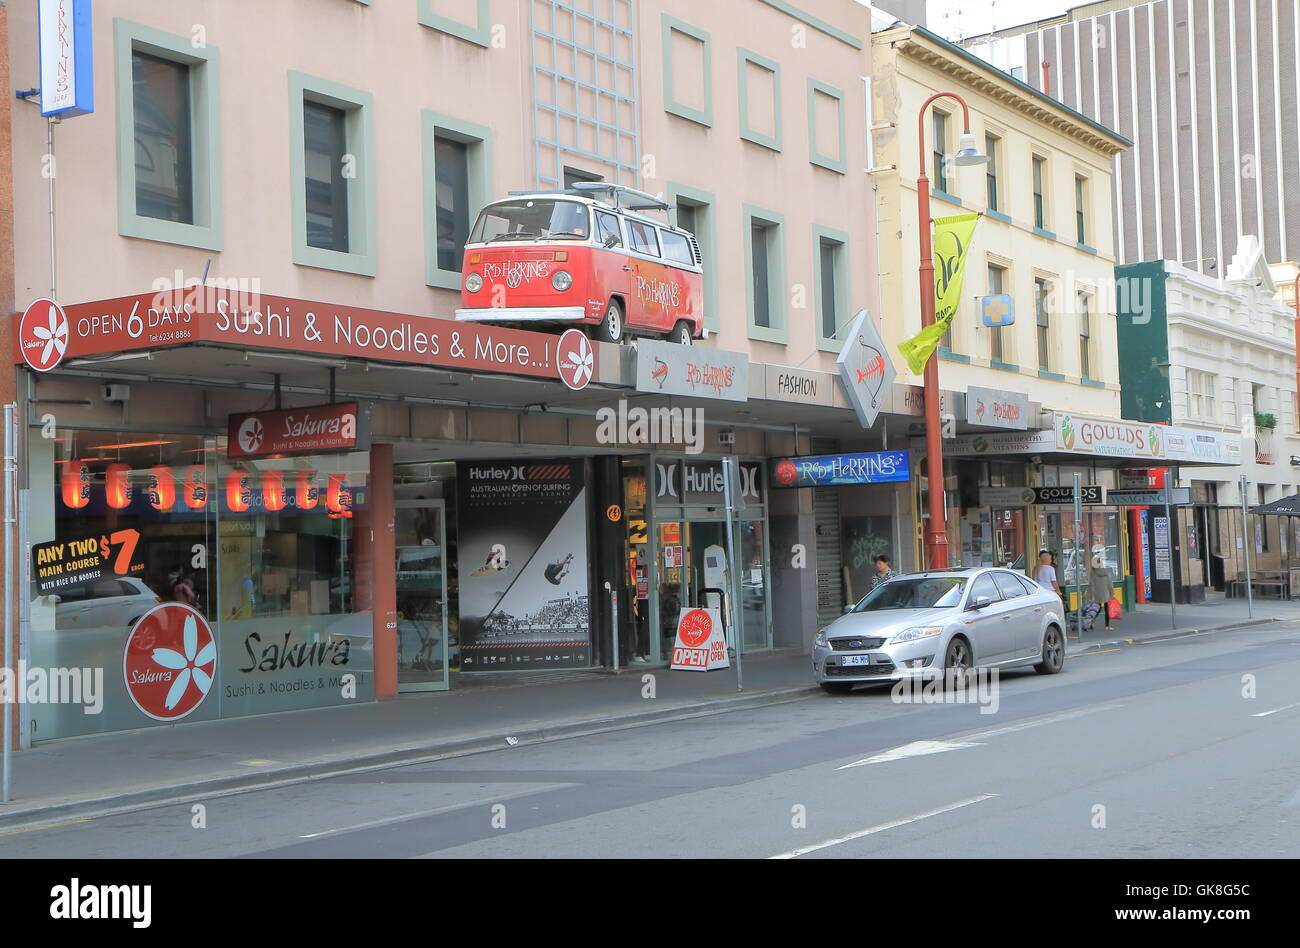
(531, 220)
(926, 592)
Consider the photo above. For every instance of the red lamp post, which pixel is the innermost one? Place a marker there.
(936, 534)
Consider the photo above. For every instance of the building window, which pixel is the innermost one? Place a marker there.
(688, 71)
(995, 284)
(991, 147)
(457, 183)
(759, 83)
(476, 32)
(1080, 209)
(164, 172)
(826, 126)
(1043, 323)
(765, 263)
(168, 138)
(1200, 395)
(759, 260)
(939, 152)
(1085, 340)
(1040, 194)
(332, 170)
(832, 285)
(325, 143)
(695, 213)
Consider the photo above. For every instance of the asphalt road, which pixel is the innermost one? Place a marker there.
(1153, 750)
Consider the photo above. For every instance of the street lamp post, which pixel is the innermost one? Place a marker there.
(936, 534)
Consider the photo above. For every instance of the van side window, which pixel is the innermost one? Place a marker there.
(677, 248)
(643, 238)
(607, 227)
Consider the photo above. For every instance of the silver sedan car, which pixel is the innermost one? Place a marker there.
(926, 624)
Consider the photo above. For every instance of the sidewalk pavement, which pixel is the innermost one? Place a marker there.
(87, 776)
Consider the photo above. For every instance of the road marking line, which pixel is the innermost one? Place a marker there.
(372, 824)
(1036, 722)
(915, 749)
(47, 826)
(1264, 714)
(872, 830)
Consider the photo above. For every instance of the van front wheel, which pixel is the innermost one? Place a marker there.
(681, 333)
(610, 327)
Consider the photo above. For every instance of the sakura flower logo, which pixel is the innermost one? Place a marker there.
(251, 433)
(43, 335)
(170, 661)
(576, 359)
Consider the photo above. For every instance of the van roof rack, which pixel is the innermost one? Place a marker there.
(621, 196)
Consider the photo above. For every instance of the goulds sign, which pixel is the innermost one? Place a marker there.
(211, 315)
(1087, 435)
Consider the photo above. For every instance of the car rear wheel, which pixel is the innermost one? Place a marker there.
(1053, 652)
(837, 687)
(610, 328)
(681, 333)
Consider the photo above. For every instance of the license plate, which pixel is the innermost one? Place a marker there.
(856, 660)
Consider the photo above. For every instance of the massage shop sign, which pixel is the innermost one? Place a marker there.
(47, 334)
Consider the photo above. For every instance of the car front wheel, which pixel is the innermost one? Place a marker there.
(681, 333)
(1053, 652)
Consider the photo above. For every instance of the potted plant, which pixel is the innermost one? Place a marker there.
(1265, 419)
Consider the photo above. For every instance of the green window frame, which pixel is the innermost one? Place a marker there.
(743, 58)
(669, 25)
(838, 163)
(706, 209)
(358, 107)
(476, 34)
(773, 224)
(207, 232)
(992, 148)
(1043, 324)
(1039, 181)
(822, 239)
(478, 140)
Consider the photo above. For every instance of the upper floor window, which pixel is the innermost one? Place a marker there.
(1085, 338)
(992, 147)
(1081, 209)
(1200, 395)
(996, 280)
(1042, 320)
(940, 152)
(325, 141)
(1040, 192)
(164, 136)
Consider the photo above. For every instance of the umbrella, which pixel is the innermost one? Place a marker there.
(1285, 507)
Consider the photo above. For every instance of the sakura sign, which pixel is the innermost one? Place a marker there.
(66, 57)
(208, 315)
(43, 335)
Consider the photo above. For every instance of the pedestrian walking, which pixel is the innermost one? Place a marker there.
(1101, 588)
(1045, 575)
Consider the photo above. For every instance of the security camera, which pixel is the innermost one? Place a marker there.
(117, 393)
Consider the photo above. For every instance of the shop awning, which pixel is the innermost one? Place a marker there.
(1284, 507)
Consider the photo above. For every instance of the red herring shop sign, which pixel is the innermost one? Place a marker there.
(312, 430)
(229, 317)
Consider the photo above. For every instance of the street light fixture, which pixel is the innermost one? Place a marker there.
(936, 534)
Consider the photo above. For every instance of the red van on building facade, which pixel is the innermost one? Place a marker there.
(565, 258)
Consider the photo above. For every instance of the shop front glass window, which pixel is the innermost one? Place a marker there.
(195, 589)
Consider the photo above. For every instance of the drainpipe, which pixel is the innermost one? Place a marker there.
(1047, 77)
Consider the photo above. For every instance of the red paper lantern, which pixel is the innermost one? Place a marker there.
(76, 484)
(273, 490)
(306, 494)
(116, 487)
(162, 488)
(196, 487)
(338, 500)
(238, 493)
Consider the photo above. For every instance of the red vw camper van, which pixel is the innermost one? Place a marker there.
(589, 255)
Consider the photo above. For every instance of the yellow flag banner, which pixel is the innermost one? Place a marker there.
(952, 238)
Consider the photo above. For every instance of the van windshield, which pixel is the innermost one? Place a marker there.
(531, 220)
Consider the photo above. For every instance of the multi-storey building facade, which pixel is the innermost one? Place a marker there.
(249, 221)
(1045, 240)
(1217, 158)
(1213, 356)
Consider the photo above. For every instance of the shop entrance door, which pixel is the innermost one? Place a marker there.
(421, 536)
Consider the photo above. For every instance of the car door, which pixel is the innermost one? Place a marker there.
(989, 627)
(611, 270)
(649, 288)
(1026, 614)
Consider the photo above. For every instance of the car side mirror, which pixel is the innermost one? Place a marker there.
(979, 602)
(612, 241)
(848, 609)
